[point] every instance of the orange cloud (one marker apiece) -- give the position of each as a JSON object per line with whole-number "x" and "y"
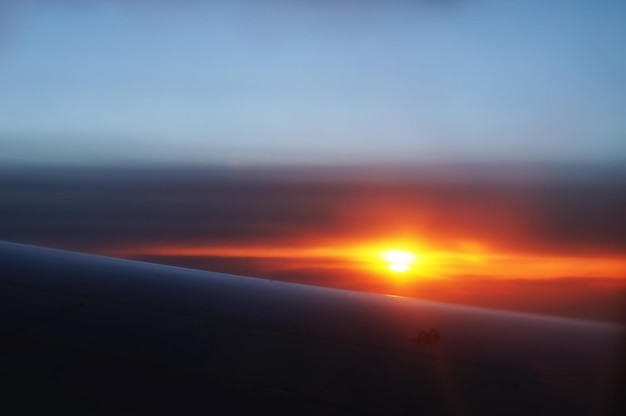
{"x": 467, "y": 260}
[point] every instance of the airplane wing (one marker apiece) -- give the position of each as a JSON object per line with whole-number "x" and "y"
{"x": 90, "y": 335}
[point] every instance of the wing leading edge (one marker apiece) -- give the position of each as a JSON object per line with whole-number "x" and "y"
{"x": 87, "y": 334}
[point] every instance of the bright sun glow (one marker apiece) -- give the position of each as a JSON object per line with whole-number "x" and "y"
{"x": 399, "y": 261}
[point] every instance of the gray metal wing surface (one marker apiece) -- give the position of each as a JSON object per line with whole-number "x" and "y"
{"x": 84, "y": 334}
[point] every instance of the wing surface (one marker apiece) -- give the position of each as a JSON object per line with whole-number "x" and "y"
{"x": 84, "y": 334}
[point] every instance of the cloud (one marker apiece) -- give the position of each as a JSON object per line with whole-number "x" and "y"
{"x": 94, "y": 210}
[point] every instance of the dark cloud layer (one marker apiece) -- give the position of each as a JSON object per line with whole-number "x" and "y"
{"x": 96, "y": 210}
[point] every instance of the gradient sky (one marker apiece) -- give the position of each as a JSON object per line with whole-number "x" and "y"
{"x": 273, "y": 82}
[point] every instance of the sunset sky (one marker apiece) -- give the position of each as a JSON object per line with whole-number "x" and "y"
{"x": 301, "y": 140}
{"x": 556, "y": 246}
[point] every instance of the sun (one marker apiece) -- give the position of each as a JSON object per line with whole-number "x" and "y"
{"x": 398, "y": 261}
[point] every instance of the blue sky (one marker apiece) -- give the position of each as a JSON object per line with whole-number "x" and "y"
{"x": 283, "y": 82}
